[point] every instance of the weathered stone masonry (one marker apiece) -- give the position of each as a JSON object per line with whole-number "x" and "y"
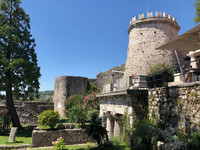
{"x": 178, "y": 106}
{"x": 28, "y": 111}
{"x": 42, "y": 138}
{"x": 66, "y": 86}
{"x": 145, "y": 35}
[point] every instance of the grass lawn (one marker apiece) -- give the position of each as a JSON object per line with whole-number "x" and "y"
{"x": 23, "y": 137}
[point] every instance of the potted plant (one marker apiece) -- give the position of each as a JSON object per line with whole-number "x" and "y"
{"x": 160, "y": 74}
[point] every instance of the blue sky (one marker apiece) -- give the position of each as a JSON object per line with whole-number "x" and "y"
{"x": 85, "y": 37}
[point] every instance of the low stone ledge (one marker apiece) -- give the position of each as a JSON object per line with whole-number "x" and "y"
{"x": 3, "y": 147}
{"x": 43, "y": 138}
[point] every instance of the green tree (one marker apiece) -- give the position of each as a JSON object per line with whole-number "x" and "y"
{"x": 197, "y": 7}
{"x": 19, "y": 72}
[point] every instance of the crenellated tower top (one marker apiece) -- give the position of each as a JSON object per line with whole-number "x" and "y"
{"x": 159, "y": 17}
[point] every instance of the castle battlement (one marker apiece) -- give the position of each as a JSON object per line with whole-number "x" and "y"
{"x": 150, "y": 15}
{"x": 159, "y": 17}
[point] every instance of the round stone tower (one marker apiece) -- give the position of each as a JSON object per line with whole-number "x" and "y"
{"x": 145, "y": 35}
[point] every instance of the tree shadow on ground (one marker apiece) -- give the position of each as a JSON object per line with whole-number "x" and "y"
{"x": 115, "y": 147}
{"x": 25, "y": 132}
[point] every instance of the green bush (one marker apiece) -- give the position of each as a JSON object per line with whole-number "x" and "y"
{"x": 5, "y": 122}
{"x": 77, "y": 115}
{"x": 117, "y": 141}
{"x": 194, "y": 141}
{"x": 91, "y": 88}
{"x": 49, "y": 118}
{"x": 127, "y": 128}
{"x": 96, "y": 131}
{"x": 79, "y": 108}
{"x": 145, "y": 135}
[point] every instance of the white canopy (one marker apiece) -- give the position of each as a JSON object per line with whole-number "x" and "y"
{"x": 189, "y": 41}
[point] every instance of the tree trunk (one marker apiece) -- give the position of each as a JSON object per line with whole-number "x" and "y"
{"x": 10, "y": 104}
{"x": 11, "y": 109}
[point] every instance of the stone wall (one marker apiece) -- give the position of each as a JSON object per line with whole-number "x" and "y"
{"x": 109, "y": 76}
{"x": 178, "y": 106}
{"x": 39, "y": 107}
{"x": 28, "y": 111}
{"x": 27, "y": 116}
{"x": 42, "y": 138}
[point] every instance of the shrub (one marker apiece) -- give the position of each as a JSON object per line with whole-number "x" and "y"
{"x": 79, "y": 108}
{"x": 174, "y": 138}
{"x": 5, "y": 122}
{"x": 77, "y": 115}
{"x": 49, "y": 118}
{"x": 91, "y": 88}
{"x": 159, "y": 69}
{"x": 127, "y": 128}
{"x": 59, "y": 143}
{"x": 117, "y": 141}
{"x": 161, "y": 74}
{"x": 96, "y": 131}
{"x": 194, "y": 141}
{"x": 73, "y": 100}
{"x": 145, "y": 135}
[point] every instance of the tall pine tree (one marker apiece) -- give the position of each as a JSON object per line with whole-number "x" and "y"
{"x": 19, "y": 72}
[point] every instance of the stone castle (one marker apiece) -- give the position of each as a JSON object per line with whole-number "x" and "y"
{"x": 145, "y": 34}
{"x": 126, "y": 93}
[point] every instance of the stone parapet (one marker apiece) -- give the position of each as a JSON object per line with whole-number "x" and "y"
{"x": 42, "y": 138}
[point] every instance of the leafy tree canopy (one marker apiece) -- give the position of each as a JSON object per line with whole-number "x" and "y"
{"x": 197, "y": 7}
{"x": 19, "y": 72}
{"x": 18, "y": 60}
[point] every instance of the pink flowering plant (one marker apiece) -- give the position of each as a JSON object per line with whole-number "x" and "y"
{"x": 78, "y": 108}
{"x": 59, "y": 143}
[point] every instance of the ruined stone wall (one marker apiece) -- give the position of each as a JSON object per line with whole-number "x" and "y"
{"x": 178, "y": 106}
{"x": 145, "y": 35}
{"x": 42, "y": 138}
{"x": 109, "y": 76}
{"x": 38, "y": 107}
{"x": 28, "y": 111}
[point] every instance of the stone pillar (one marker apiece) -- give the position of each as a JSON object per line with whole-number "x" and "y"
{"x": 193, "y": 62}
{"x": 104, "y": 119}
{"x": 117, "y": 129}
{"x": 109, "y": 126}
